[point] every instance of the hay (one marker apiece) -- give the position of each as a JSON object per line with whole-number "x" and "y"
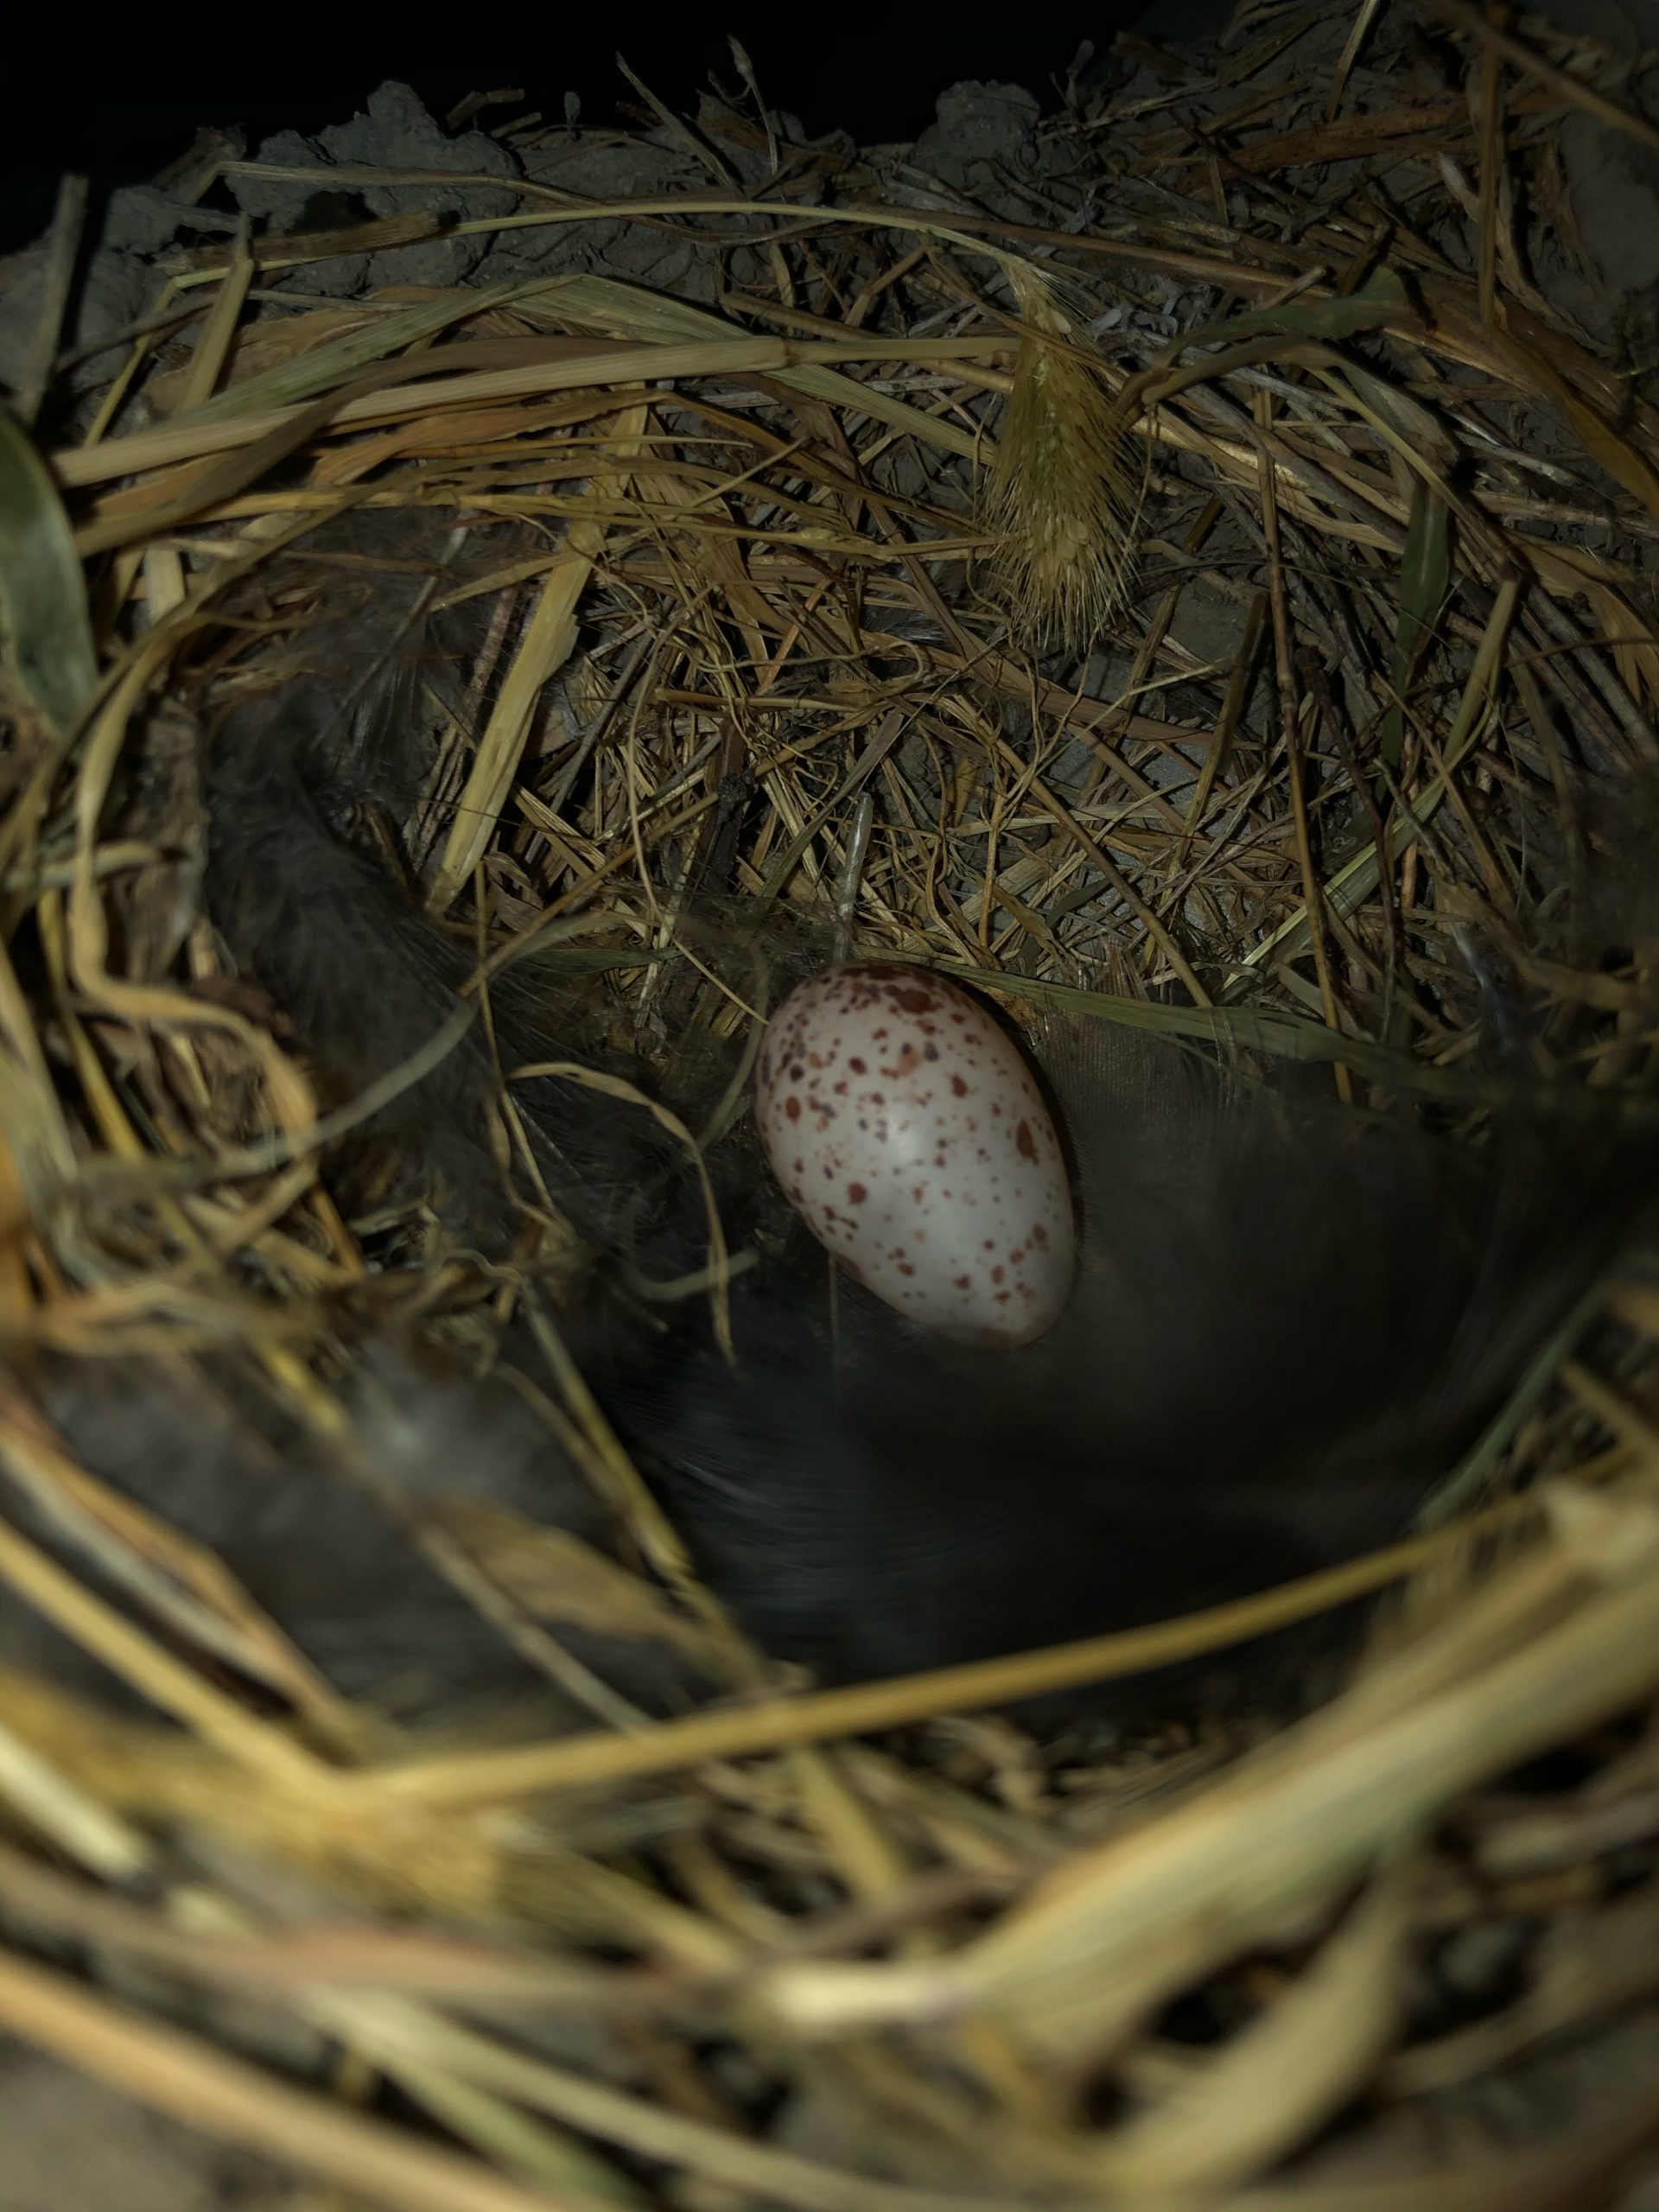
{"x": 1334, "y": 526}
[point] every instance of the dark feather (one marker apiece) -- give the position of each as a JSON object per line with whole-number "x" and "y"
{"x": 325, "y": 1535}
{"x": 1290, "y": 1319}
{"x": 1287, "y": 1325}
{"x": 312, "y": 911}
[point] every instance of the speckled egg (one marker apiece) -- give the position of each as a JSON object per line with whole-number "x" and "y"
{"x": 909, "y": 1135}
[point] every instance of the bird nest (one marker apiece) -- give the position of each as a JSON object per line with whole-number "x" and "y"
{"x": 1198, "y": 594}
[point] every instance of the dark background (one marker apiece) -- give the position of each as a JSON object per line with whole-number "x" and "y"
{"x": 119, "y": 115}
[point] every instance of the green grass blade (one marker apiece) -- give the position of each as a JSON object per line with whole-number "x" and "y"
{"x": 48, "y": 631}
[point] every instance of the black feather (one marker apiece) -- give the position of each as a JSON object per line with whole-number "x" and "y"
{"x": 325, "y": 1533}
{"x": 1290, "y": 1319}
{"x": 311, "y": 910}
{"x": 1287, "y": 1325}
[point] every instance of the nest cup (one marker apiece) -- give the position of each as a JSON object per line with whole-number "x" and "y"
{"x": 1289, "y": 703}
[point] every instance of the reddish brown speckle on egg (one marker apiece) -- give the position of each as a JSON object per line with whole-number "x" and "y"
{"x": 856, "y": 1194}
{"x": 793, "y": 1108}
{"x": 1026, "y": 1142}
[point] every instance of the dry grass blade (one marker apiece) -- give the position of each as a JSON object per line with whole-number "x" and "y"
{"x": 550, "y": 638}
{"x": 394, "y": 2032}
{"x": 196, "y": 2083}
{"x": 1470, "y": 21}
{"x": 77, "y": 1822}
{"x": 1285, "y": 2075}
{"x": 150, "y": 1668}
{"x": 1575, "y": 2173}
{"x": 273, "y": 431}
{"x": 1103, "y": 1943}
{"x": 490, "y": 1776}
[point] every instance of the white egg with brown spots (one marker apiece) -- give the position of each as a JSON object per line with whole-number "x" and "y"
{"x": 909, "y": 1136}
